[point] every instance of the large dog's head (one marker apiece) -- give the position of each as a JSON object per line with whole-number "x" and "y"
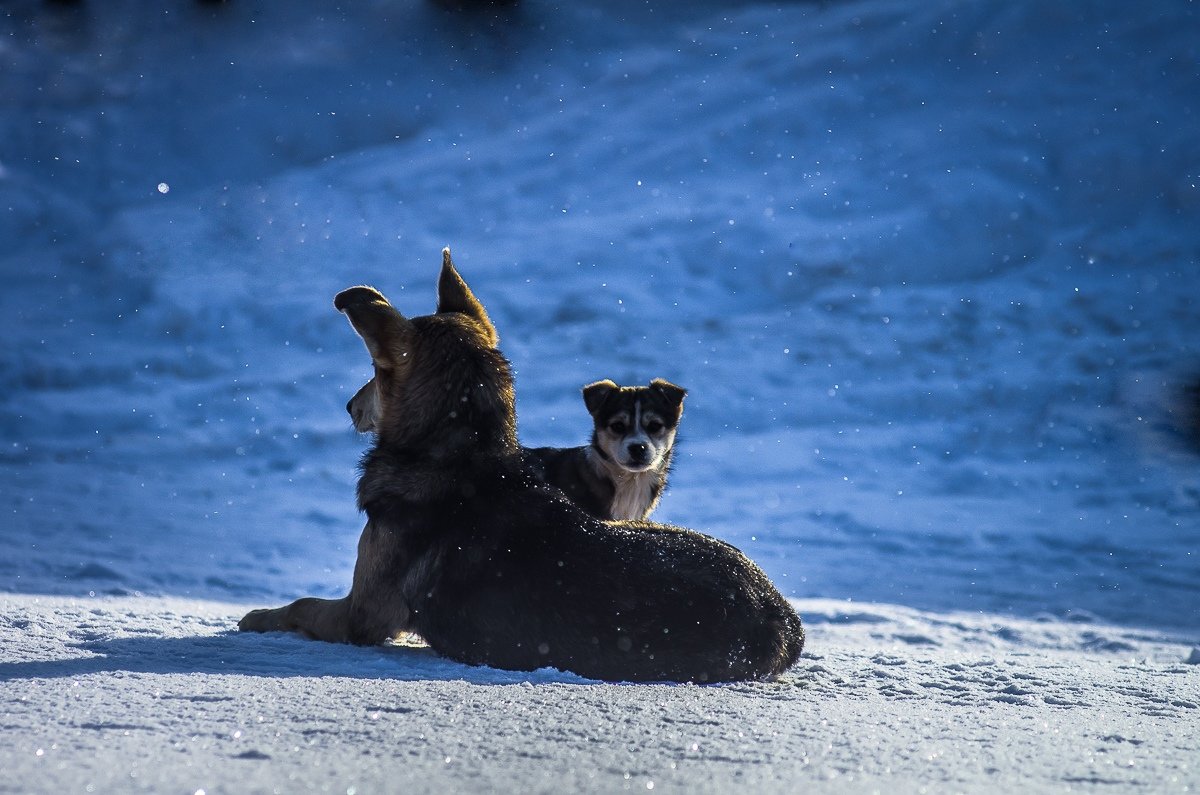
{"x": 635, "y": 425}
{"x": 440, "y": 383}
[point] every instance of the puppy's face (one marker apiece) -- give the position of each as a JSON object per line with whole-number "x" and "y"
{"x": 439, "y": 379}
{"x": 635, "y": 425}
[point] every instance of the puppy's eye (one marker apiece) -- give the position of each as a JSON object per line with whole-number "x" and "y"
{"x": 653, "y": 427}
{"x": 618, "y": 428}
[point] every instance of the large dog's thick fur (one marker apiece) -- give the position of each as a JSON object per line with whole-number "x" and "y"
{"x": 465, "y": 546}
{"x": 622, "y": 473}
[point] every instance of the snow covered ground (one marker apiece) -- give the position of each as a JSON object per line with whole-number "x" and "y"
{"x": 928, "y": 269}
{"x": 155, "y": 695}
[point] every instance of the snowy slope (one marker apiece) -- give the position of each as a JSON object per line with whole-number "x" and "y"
{"x": 929, "y": 271}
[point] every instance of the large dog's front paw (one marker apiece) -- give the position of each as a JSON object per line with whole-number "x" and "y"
{"x": 263, "y": 620}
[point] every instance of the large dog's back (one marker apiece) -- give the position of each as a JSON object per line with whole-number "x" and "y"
{"x": 518, "y": 577}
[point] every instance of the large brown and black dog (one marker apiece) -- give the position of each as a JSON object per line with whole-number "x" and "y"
{"x": 465, "y": 546}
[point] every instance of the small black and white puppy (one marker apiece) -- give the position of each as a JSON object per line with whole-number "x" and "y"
{"x": 622, "y": 473}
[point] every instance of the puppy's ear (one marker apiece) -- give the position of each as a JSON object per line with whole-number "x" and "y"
{"x": 595, "y": 394}
{"x": 385, "y": 331}
{"x": 455, "y": 296}
{"x": 669, "y": 392}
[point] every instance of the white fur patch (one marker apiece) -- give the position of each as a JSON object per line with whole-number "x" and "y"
{"x": 635, "y": 495}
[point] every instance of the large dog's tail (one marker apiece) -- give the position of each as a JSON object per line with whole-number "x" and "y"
{"x": 780, "y": 638}
{"x": 793, "y": 635}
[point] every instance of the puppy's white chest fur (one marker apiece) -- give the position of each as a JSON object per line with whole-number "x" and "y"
{"x": 635, "y": 493}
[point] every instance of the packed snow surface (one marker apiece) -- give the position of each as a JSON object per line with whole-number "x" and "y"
{"x": 155, "y": 694}
{"x": 929, "y": 271}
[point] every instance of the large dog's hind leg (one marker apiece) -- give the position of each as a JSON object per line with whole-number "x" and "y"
{"x": 373, "y": 611}
{"x": 346, "y": 620}
{"x": 319, "y": 619}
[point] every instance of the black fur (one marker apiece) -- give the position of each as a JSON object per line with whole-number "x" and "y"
{"x": 568, "y": 469}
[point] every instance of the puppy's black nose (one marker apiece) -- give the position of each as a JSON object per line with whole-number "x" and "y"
{"x": 350, "y": 407}
{"x": 638, "y": 451}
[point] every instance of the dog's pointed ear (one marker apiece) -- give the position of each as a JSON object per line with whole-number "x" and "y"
{"x": 385, "y": 331}
{"x": 595, "y": 394}
{"x": 672, "y": 394}
{"x": 455, "y": 296}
